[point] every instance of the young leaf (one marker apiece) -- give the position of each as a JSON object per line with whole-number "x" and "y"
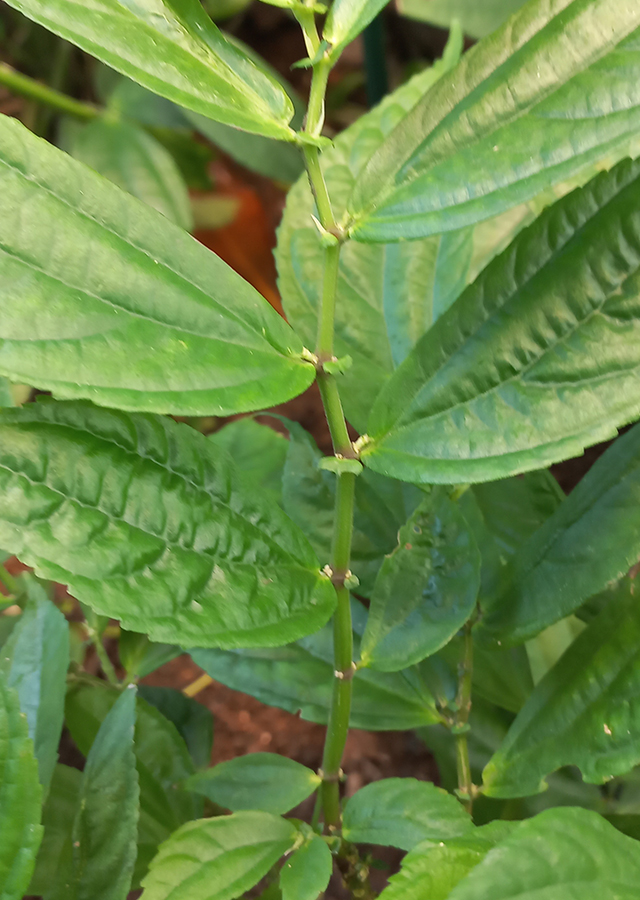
{"x": 506, "y": 381}
{"x": 542, "y": 97}
{"x": 54, "y": 862}
{"x": 140, "y": 656}
{"x": 402, "y": 812}
{"x": 193, "y": 721}
{"x": 306, "y": 873}
{"x": 257, "y": 450}
{"x": 264, "y": 781}
{"x": 584, "y": 712}
{"x": 104, "y": 298}
{"x": 172, "y": 48}
{"x": 147, "y": 522}
{"x": 425, "y": 590}
{"x": 477, "y": 19}
{"x": 346, "y": 19}
{"x": 217, "y": 859}
{"x": 35, "y": 660}
{"x": 20, "y": 798}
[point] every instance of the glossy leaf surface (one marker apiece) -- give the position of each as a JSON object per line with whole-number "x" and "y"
{"x": 148, "y": 523}
{"x": 507, "y": 380}
{"x": 477, "y": 19}
{"x": 542, "y": 97}
{"x": 306, "y": 873}
{"x": 172, "y": 48}
{"x": 104, "y": 298}
{"x": 257, "y": 450}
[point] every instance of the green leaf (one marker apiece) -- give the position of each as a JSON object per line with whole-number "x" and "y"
{"x": 53, "y": 865}
{"x": 140, "y": 656}
{"x": 172, "y": 48}
{"x": 136, "y": 162}
{"x": 35, "y": 661}
{"x": 425, "y": 590}
{"x": 506, "y": 381}
{"x": 193, "y": 721}
{"x": 263, "y": 781}
{"x": 147, "y": 522}
{"x": 105, "y": 827}
{"x": 20, "y": 798}
{"x": 478, "y": 19}
{"x": 402, "y": 812}
{"x": 257, "y": 450}
{"x": 582, "y": 713}
{"x": 306, "y": 873}
{"x": 218, "y": 859}
{"x": 592, "y": 539}
{"x": 346, "y": 19}
{"x": 559, "y": 854}
{"x": 522, "y": 111}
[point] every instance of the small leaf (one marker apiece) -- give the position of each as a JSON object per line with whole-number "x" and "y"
{"x": 218, "y": 859}
{"x": 263, "y": 781}
{"x": 257, "y": 450}
{"x": 54, "y": 862}
{"x": 193, "y": 721}
{"x": 306, "y": 873}
{"x": 20, "y": 798}
{"x": 346, "y": 19}
{"x": 140, "y": 656}
{"x": 402, "y": 812}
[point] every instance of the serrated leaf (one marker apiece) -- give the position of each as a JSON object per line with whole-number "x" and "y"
{"x": 20, "y": 798}
{"x": 218, "y": 859}
{"x": 257, "y": 450}
{"x": 106, "y": 824}
{"x": 306, "y": 873}
{"x": 53, "y": 865}
{"x": 402, "y": 812}
{"x": 172, "y": 48}
{"x": 147, "y": 522}
{"x": 263, "y": 781}
{"x": 193, "y": 721}
{"x": 346, "y": 19}
{"x": 506, "y": 381}
{"x": 121, "y": 298}
{"x": 425, "y": 590}
{"x": 477, "y": 19}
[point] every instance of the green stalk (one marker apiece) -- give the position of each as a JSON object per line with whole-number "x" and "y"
{"x": 461, "y": 727}
{"x": 29, "y": 87}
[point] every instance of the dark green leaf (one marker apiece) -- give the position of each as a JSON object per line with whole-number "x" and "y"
{"x": 477, "y": 19}
{"x": 193, "y": 721}
{"x": 104, "y": 298}
{"x": 52, "y": 874}
{"x": 140, "y": 656}
{"x": 20, "y": 798}
{"x": 148, "y": 522}
{"x": 402, "y": 812}
{"x": 306, "y": 873}
{"x": 346, "y": 19}
{"x": 544, "y": 96}
{"x": 257, "y": 450}
{"x": 172, "y": 48}
{"x": 263, "y": 781}
{"x": 218, "y": 859}
{"x": 507, "y": 381}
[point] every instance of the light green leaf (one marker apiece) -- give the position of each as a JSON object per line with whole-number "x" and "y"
{"x": 559, "y": 854}
{"x": 104, "y": 298}
{"x": 346, "y": 19}
{"x": 172, "y": 48}
{"x": 425, "y": 590}
{"x": 507, "y": 381}
{"x": 147, "y": 522}
{"x": 53, "y": 865}
{"x": 402, "y": 812}
{"x": 478, "y": 19}
{"x": 263, "y": 781}
{"x": 257, "y": 450}
{"x": 584, "y": 712}
{"x": 306, "y": 873}
{"x": 193, "y": 721}
{"x": 6, "y": 395}
{"x": 547, "y": 94}
{"x": 20, "y": 798}
{"x": 218, "y": 859}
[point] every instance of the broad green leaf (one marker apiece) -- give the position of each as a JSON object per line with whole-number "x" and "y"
{"x": 35, "y": 660}
{"x": 306, "y": 873}
{"x": 346, "y": 19}
{"x": 136, "y": 162}
{"x": 147, "y": 522}
{"x": 425, "y": 590}
{"x": 20, "y": 798}
{"x": 402, "y": 812}
{"x": 477, "y": 19}
{"x": 53, "y": 865}
{"x": 106, "y": 824}
{"x": 193, "y": 721}
{"x": 218, "y": 859}
{"x": 104, "y": 298}
{"x": 263, "y": 781}
{"x": 550, "y": 92}
{"x": 172, "y": 48}
{"x": 558, "y": 855}
{"x": 257, "y": 450}
{"x": 507, "y": 381}
{"x": 592, "y": 539}
{"x": 584, "y": 712}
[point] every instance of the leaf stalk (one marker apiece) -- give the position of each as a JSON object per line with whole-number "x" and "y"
{"x": 34, "y": 90}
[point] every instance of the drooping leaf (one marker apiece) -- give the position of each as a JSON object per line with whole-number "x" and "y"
{"x": 218, "y": 859}
{"x": 306, "y": 873}
{"x": 346, "y": 19}
{"x": 402, "y": 812}
{"x": 263, "y": 781}
{"x": 548, "y": 93}
{"x": 104, "y": 298}
{"x": 106, "y": 824}
{"x": 193, "y": 721}
{"x": 20, "y": 798}
{"x": 172, "y": 48}
{"x": 425, "y": 590}
{"x": 147, "y": 522}
{"x": 35, "y": 660}
{"x": 478, "y": 19}
{"x": 52, "y": 874}
{"x": 257, "y": 450}
{"x": 507, "y": 380}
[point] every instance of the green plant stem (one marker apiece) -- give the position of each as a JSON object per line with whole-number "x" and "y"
{"x": 29, "y": 87}
{"x": 461, "y": 728}
{"x": 10, "y": 582}
{"x": 96, "y": 640}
